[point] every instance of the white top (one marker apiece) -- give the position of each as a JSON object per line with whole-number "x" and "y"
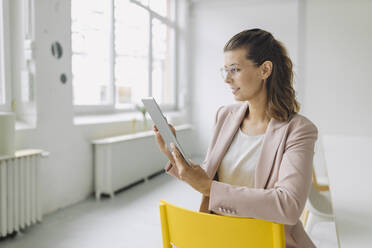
{"x": 238, "y": 166}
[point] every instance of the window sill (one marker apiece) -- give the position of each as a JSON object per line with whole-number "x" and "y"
{"x": 21, "y": 125}
{"x": 82, "y": 120}
{"x": 133, "y": 136}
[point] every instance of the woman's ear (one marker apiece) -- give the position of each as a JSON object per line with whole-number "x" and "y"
{"x": 266, "y": 69}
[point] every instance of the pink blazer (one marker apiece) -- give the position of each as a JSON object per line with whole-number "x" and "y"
{"x": 283, "y": 174}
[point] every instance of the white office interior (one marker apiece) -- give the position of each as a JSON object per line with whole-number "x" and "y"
{"x": 76, "y": 138}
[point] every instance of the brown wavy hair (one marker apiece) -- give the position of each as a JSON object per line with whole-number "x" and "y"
{"x": 261, "y": 46}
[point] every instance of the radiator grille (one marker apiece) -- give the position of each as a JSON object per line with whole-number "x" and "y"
{"x": 19, "y": 191}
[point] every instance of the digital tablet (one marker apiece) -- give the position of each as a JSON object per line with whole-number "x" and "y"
{"x": 161, "y": 123}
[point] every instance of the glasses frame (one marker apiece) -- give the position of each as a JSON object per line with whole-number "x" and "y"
{"x": 231, "y": 70}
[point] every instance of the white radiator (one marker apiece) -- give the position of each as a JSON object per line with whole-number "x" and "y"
{"x": 19, "y": 191}
{"x": 124, "y": 160}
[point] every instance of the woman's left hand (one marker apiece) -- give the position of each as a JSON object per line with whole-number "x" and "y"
{"x": 195, "y": 176}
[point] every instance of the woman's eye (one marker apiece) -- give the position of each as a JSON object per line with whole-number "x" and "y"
{"x": 233, "y": 70}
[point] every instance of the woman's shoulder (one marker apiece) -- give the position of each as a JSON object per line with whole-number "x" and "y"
{"x": 223, "y": 111}
{"x": 230, "y": 107}
{"x": 298, "y": 121}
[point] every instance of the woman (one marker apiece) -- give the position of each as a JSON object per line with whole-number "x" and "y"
{"x": 259, "y": 162}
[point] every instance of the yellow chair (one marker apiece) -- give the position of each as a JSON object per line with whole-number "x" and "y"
{"x": 183, "y": 228}
{"x": 319, "y": 204}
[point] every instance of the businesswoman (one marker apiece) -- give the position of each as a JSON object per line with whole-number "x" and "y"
{"x": 259, "y": 162}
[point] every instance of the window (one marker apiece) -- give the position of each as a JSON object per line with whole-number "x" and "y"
{"x": 4, "y": 57}
{"x": 123, "y": 50}
{"x": 17, "y": 62}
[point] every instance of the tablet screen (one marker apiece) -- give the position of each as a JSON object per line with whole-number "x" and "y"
{"x": 161, "y": 123}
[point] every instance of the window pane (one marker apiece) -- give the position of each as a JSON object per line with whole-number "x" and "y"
{"x": 143, "y": 2}
{"x": 162, "y": 65}
{"x": 90, "y": 51}
{"x": 162, "y": 7}
{"x": 132, "y": 52}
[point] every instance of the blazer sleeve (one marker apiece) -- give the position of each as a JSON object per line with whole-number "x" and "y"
{"x": 284, "y": 202}
{"x": 172, "y": 170}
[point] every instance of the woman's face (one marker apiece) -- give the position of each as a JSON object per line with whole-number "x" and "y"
{"x": 245, "y": 79}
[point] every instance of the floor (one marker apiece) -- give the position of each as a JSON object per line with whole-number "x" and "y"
{"x": 130, "y": 219}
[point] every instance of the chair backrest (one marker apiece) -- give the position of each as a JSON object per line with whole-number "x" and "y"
{"x": 184, "y": 228}
{"x": 318, "y": 203}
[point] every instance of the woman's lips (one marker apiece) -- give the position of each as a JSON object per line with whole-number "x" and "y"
{"x": 234, "y": 90}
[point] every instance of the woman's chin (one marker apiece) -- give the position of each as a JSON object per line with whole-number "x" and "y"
{"x": 238, "y": 98}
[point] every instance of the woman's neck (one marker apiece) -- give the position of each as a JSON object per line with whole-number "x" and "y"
{"x": 257, "y": 111}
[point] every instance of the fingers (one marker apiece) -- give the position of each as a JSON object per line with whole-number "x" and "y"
{"x": 157, "y": 134}
{"x": 175, "y": 152}
{"x": 180, "y": 162}
{"x": 179, "y": 158}
{"x": 173, "y": 129}
{"x": 159, "y": 140}
{"x": 193, "y": 164}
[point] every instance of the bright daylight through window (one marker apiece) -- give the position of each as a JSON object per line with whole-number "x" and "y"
{"x": 123, "y": 50}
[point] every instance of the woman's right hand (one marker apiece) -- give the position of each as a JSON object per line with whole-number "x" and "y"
{"x": 161, "y": 143}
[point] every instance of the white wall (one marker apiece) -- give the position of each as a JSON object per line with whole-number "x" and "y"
{"x": 338, "y": 58}
{"x": 67, "y": 175}
{"x": 212, "y": 24}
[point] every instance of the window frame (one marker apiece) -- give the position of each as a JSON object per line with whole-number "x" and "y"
{"x": 5, "y": 59}
{"x": 111, "y": 108}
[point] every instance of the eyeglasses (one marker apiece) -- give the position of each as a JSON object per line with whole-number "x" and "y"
{"x": 232, "y": 71}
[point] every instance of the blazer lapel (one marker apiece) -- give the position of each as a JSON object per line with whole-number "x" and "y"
{"x": 269, "y": 149}
{"x": 226, "y": 135}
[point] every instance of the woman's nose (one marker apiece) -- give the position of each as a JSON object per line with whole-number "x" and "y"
{"x": 227, "y": 79}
